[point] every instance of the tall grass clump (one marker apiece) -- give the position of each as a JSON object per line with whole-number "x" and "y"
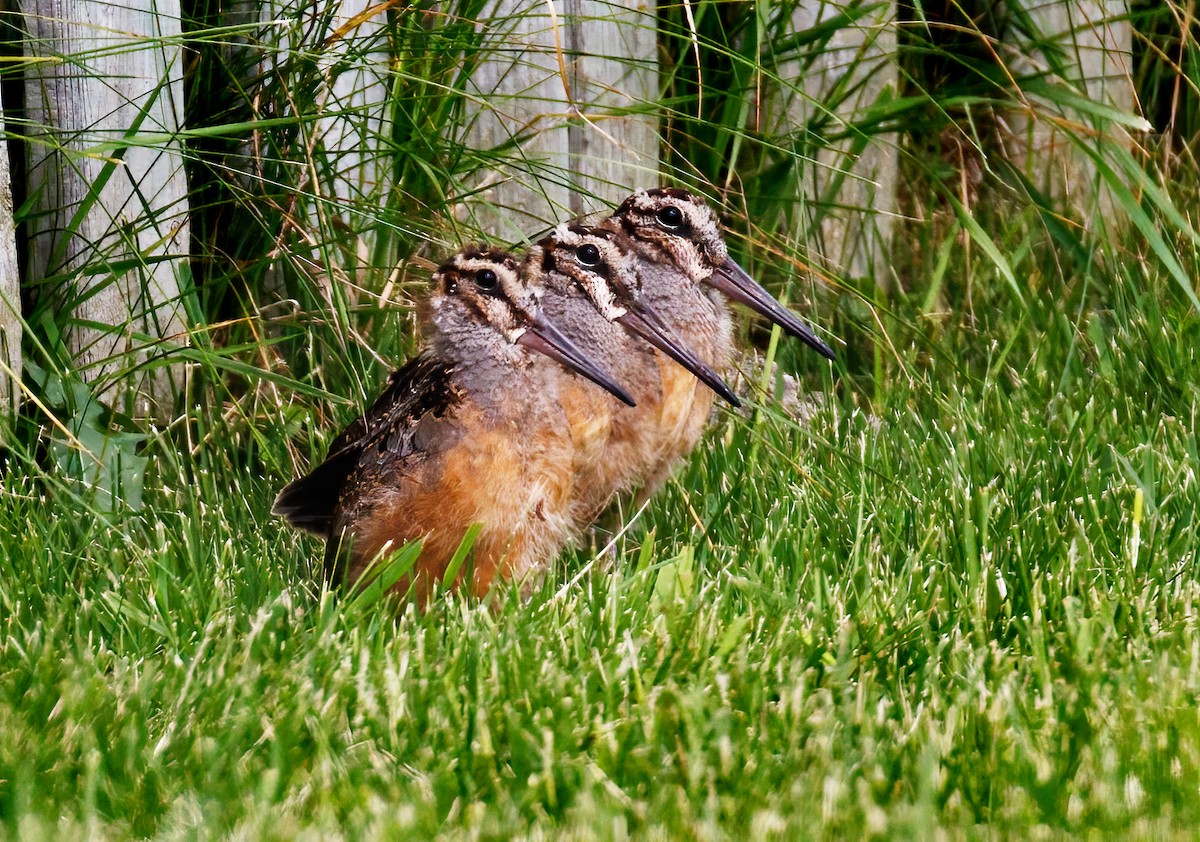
{"x": 947, "y": 583}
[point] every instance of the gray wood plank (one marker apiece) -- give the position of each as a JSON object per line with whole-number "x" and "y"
{"x": 120, "y": 211}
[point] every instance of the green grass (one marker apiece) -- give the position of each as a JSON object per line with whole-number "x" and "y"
{"x": 974, "y": 602}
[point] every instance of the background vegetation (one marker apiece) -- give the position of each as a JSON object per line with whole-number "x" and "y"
{"x": 962, "y": 591}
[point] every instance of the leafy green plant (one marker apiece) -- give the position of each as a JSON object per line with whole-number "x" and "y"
{"x": 97, "y": 449}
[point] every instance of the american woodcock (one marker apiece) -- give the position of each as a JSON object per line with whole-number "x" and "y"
{"x": 685, "y": 272}
{"x": 469, "y": 431}
{"x": 592, "y": 290}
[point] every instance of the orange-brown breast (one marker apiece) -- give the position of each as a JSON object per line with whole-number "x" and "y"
{"x": 687, "y": 403}
{"x": 686, "y": 406}
{"x": 615, "y": 443}
{"x": 515, "y": 481}
{"x": 589, "y": 414}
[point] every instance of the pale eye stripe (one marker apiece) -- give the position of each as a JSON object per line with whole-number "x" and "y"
{"x": 602, "y": 296}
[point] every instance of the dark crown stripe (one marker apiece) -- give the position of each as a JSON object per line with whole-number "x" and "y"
{"x": 674, "y": 193}
{"x": 479, "y": 251}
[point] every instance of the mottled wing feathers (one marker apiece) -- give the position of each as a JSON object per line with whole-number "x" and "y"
{"x": 423, "y": 387}
{"x": 385, "y": 431}
{"x": 308, "y": 503}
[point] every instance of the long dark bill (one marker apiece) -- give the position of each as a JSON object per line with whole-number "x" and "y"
{"x": 735, "y": 282}
{"x": 545, "y": 338}
{"x": 644, "y": 323}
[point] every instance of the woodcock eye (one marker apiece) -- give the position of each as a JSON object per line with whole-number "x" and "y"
{"x": 670, "y": 217}
{"x": 588, "y": 254}
{"x": 486, "y": 279}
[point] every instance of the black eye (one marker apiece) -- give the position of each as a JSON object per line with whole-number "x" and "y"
{"x": 670, "y": 217}
{"x": 486, "y": 279}
{"x": 588, "y": 255}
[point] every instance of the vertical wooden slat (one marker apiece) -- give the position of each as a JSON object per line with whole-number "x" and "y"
{"x": 102, "y": 72}
{"x": 353, "y": 114}
{"x": 1095, "y": 38}
{"x": 850, "y": 188}
{"x": 344, "y": 175}
{"x": 572, "y": 82}
{"x": 10, "y": 293}
{"x": 521, "y": 95}
{"x": 616, "y": 149}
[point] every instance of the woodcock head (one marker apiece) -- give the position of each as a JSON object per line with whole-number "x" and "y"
{"x": 482, "y": 307}
{"x": 674, "y": 224}
{"x": 602, "y": 262}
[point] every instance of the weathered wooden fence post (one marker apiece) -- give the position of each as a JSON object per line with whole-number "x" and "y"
{"x": 1095, "y": 42}
{"x": 574, "y": 84}
{"x": 10, "y": 293}
{"x": 353, "y": 119}
{"x": 105, "y": 91}
{"x": 344, "y": 174}
{"x": 850, "y": 185}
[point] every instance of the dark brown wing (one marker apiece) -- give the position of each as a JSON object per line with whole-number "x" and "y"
{"x": 421, "y": 387}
